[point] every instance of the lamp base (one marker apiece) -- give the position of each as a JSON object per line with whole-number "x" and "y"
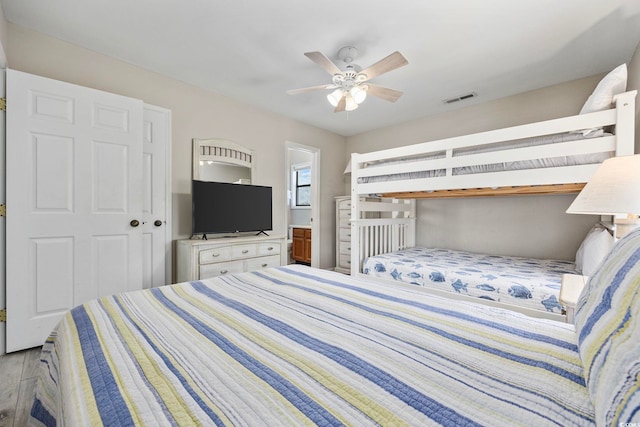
{"x": 625, "y": 226}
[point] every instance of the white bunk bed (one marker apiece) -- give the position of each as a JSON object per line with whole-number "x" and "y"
{"x": 552, "y": 157}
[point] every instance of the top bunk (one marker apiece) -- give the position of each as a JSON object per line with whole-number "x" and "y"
{"x": 549, "y": 157}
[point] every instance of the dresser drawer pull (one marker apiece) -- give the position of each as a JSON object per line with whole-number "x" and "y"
{"x": 270, "y": 248}
{"x": 224, "y": 271}
{"x": 215, "y": 255}
{"x": 246, "y": 251}
{"x": 264, "y": 265}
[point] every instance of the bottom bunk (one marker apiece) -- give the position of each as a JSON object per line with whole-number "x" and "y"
{"x": 526, "y": 282}
{"x": 385, "y": 249}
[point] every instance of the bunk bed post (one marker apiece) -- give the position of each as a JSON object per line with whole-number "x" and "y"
{"x": 410, "y": 234}
{"x": 625, "y": 104}
{"x": 355, "y": 215}
{"x": 625, "y": 122}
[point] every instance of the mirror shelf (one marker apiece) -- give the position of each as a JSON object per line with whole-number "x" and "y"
{"x": 222, "y": 160}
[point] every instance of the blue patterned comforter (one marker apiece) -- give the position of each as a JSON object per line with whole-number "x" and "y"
{"x": 525, "y": 282}
{"x": 300, "y": 346}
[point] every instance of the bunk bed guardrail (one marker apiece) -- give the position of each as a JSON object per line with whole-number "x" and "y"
{"x": 392, "y": 230}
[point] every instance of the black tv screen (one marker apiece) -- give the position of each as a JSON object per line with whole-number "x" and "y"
{"x": 220, "y": 207}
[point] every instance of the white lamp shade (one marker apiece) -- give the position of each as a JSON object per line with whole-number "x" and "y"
{"x": 351, "y": 104}
{"x": 358, "y": 94}
{"x": 335, "y": 96}
{"x": 613, "y": 189}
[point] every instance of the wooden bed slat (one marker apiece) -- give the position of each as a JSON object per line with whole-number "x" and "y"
{"x": 487, "y": 192}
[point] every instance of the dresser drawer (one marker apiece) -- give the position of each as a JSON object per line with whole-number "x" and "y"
{"x": 344, "y": 214}
{"x": 345, "y": 248}
{"x": 262, "y": 262}
{"x": 221, "y": 268}
{"x": 344, "y": 235}
{"x": 244, "y": 251}
{"x": 222, "y": 253}
{"x": 345, "y": 261}
{"x": 345, "y": 204}
{"x": 268, "y": 249}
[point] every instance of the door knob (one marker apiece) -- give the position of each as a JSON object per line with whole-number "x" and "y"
{"x": 157, "y": 223}
{"x": 134, "y": 223}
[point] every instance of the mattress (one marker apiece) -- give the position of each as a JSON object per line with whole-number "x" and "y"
{"x": 300, "y": 346}
{"x": 583, "y": 159}
{"x": 525, "y": 282}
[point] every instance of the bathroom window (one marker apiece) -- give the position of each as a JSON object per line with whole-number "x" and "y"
{"x": 301, "y": 183}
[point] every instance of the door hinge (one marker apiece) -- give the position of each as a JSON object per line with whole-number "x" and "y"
{"x": 3, "y": 315}
{"x": 3, "y": 209}
{"x": 3, "y": 104}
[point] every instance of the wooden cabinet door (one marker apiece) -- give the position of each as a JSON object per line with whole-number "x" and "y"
{"x": 301, "y": 245}
{"x": 307, "y": 246}
{"x": 297, "y": 250}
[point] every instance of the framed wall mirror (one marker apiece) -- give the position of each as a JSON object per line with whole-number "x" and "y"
{"x": 221, "y": 160}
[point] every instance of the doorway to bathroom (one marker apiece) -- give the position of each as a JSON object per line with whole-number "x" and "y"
{"x": 302, "y": 168}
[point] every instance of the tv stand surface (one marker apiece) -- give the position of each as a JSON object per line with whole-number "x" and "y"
{"x": 198, "y": 259}
{"x": 226, "y": 235}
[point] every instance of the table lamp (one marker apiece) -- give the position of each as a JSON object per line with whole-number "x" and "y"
{"x": 613, "y": 190}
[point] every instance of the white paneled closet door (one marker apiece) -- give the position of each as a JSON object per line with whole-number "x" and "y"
{"x": 156, "y": 193}
{"x": 75, "y": 201}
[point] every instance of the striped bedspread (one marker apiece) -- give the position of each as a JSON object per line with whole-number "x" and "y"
{"x": 300, "y": 346}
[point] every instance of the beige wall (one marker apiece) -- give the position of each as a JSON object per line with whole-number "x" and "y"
{"x": 533, "y": 226}
{"x": 196, "y": 114}
{"x": 3, "y": 39}
{"x": 634, "y": 84}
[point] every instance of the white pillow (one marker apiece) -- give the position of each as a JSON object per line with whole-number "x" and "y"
{"x": 602, "y": 97}
{"x": 594, "y": 248}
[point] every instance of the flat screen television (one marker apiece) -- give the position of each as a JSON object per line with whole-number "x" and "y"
{"x": 220, "y": 207}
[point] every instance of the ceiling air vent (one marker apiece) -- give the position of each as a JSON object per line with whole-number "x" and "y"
{"x": 460, "y": 98}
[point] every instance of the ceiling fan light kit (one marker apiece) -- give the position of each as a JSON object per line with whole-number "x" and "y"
{"x": 349, "y": 88}
{"x": 354, "y": 97}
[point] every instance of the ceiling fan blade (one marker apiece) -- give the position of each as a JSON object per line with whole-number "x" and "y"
{"x": 308, "y": 89}
{"x": 322, "y": 60}
{"x": 385, "y": 93}
{"x": 341, "y": 104}
{"x": 391, "y": 62}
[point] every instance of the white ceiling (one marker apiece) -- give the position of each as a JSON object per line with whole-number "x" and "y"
{"x": 252, "y": 50}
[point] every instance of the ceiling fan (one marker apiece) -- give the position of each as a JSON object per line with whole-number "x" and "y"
{"x": 352, "y": 86}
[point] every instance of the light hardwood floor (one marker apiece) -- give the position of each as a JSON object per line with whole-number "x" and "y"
{"x": 18, "y": 372}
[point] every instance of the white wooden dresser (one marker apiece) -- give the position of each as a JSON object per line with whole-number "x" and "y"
{"x": 343, "y": 232}
{"x": 199, "y": 259}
